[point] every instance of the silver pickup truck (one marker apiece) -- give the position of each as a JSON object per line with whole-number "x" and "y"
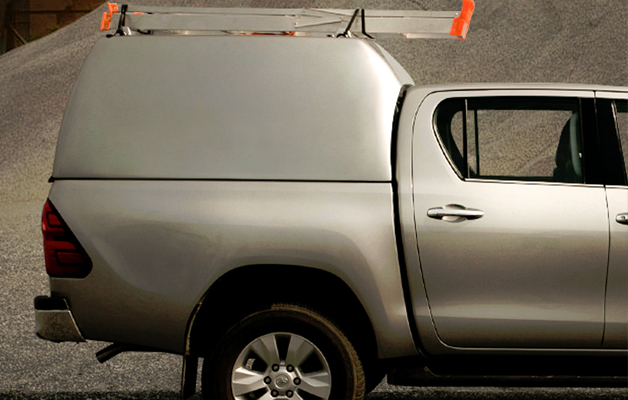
{"x": 293, "y": 210}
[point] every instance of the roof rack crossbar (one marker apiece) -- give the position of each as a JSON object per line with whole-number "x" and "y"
{"x": 298, "y": 22}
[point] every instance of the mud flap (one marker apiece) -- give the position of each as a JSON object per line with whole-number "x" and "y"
{"x": 188, "y": 376}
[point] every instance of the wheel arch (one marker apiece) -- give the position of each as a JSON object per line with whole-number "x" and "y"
{"x": 247, "y": 288}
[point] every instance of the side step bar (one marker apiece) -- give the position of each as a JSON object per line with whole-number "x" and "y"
{"x": 425, "y": 377}
{"x": 514, "y": 371}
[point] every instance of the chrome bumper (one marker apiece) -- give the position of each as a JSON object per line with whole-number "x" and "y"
{"x": 54, "y": 320}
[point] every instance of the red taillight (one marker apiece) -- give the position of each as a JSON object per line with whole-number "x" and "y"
{"x": 65, "y": 257}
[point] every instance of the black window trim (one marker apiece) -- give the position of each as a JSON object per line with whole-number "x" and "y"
{"x": 610, "y": 143}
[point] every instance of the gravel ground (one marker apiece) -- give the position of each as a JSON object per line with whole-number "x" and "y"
{"x": 556, "y": 40}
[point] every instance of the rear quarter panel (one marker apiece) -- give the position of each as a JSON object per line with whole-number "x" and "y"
{"x": 157, "y": 246}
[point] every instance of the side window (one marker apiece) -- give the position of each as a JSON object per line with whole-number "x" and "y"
{"x": 513, "y": 138}
{"x": 621, "y": 116}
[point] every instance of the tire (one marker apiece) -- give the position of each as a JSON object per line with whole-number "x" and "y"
{"x": 284, "y": 352}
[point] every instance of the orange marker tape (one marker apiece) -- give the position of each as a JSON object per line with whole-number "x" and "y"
{"x": 461, "y": 22}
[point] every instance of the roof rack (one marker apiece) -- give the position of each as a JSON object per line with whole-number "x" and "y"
{"x": 295, "y": 22}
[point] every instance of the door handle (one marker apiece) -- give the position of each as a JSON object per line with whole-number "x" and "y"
{"x": 622, "y": 218}
{"x": 454, "y": 213}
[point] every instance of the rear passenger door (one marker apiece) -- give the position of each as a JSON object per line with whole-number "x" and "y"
{"x": 613, "y": 117}
{"x": 511, "y": 218}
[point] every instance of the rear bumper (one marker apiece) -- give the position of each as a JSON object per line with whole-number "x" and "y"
{"x": 54, "y": 320}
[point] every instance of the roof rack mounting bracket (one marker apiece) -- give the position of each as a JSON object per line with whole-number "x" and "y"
{"x": 121, "y": 21}
{"x": 347, "y": 31}
{"x": 363, "y": 20}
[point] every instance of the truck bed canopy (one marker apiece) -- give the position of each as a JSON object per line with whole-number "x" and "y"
{"x": 231, "y": 107}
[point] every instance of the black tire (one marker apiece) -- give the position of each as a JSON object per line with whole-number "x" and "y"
{"x": 332, "y": 360}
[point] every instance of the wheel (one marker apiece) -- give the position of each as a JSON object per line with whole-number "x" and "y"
{"x": 283, "y": 352}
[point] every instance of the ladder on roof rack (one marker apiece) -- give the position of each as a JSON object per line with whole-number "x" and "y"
{"x": 295, "y": 22}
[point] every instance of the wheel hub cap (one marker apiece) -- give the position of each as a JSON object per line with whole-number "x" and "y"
{"x": 282, "y": 381}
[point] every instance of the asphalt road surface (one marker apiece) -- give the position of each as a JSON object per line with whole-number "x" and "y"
{"x": 545, "y": 40}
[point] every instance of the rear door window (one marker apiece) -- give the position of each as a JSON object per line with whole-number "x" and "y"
{"x": 513, "y": 138}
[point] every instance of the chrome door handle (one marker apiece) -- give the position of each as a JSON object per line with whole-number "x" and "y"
{"x": 454, "y": 213}
{"x": 622, "y": 218}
